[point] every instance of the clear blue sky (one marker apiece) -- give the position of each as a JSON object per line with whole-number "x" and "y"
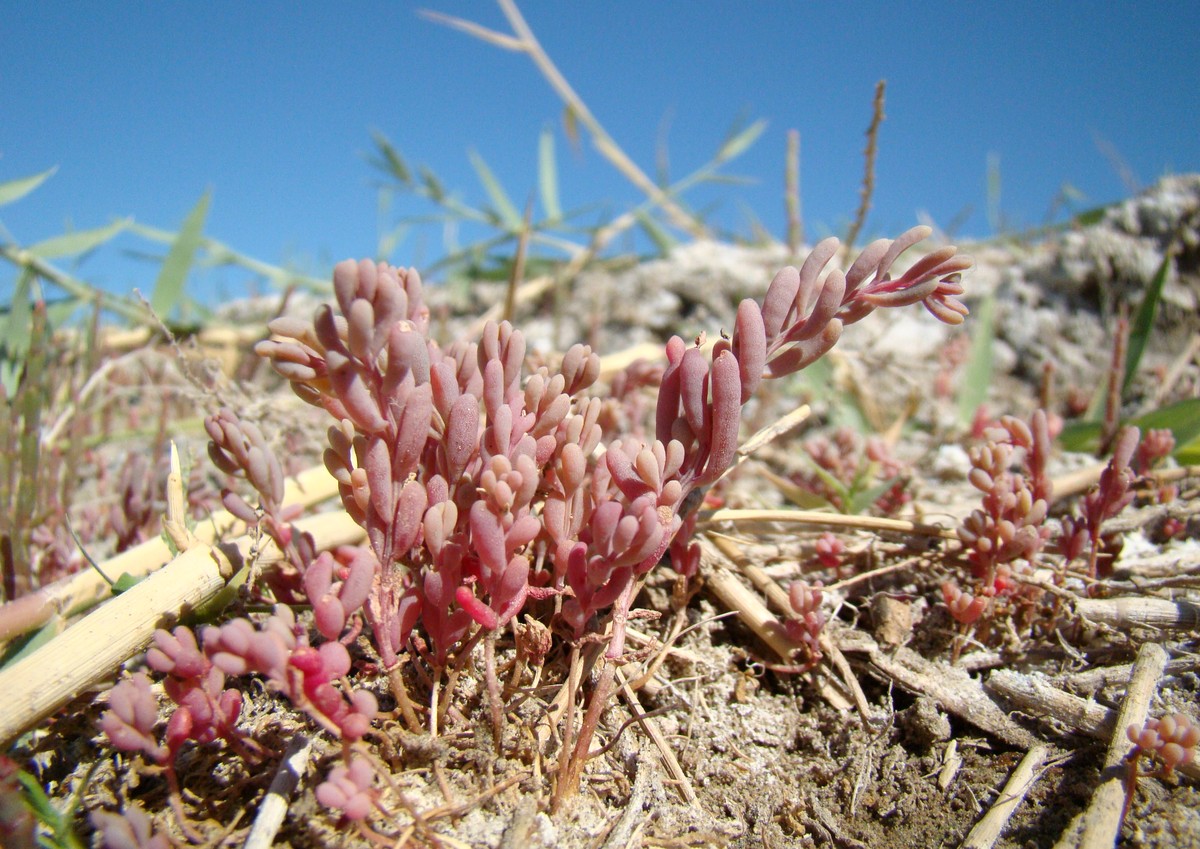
{"x": 143, "y": 106}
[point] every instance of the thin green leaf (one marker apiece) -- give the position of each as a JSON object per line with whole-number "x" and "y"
{"x": 864, "y": 499}
{"x": 803, "y": 498}
{"x": 1143, "y": 322}
{"x": 17, "y": 189}
{"x": 39, "y": 803}
{"x": 662, "y": 240}
{"x": 126, "y": 582}
{"x": 977, "y": 376}
{"x": 548, "y": 175}
{"x": 17, "y": 337}
{"x": 392, "y": 161}
{"x": 433, "y": 186}
{"x": 1082, "y": 436}
{"x": 571, "y": 127}
{"x": 737, "y": 143}
{"x": 81, "y": 241}
{"x": 503, "y": 207}
{"x": 1181, "y": 418}
{"x": 1090, "y": 217}
{"x": 168, "y": 288}
{"x": 729, "y": 180}
{"x": 26, "y": 645}
{"x": 60, "y": 311}
{"x": 835, "y": 486}
{"x": 1189, "y": 455}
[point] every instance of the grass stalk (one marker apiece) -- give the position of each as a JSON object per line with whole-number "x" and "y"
{"x": 791, "y": 179}
{"x": 868, "y": 185}
{"x": 524, "y": 41}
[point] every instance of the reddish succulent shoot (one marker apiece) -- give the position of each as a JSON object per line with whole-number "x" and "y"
{"x": 1170, "y": 740}
{"x": 1084, "y": 534}
{"x": 349, "y": 790}
{"x": 964, "y": 607}
{"x": 809, "y": 620}
{"x": 132, "y": 829}
{"x": 131, "y": 716}
{"x": 279, "y": 651}
{"x": 1010, "y": 524}
{"x": 830, "y": 550}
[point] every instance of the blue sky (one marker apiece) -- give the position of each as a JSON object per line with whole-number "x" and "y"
{"x": 143, "y": 106}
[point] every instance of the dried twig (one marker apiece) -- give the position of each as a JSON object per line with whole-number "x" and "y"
{"x": 274, "y": 806}
{"x": 951, "y": 688}
{"x": 987, "y": 831}
{"x": 1140, "y": 612}
{"x": 1098, "y": 826}
{"x": 661, "y": 743}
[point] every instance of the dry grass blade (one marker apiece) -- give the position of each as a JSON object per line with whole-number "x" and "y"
{"x": 84, "y": 589}
{"x": 491, "y": 36}
{"x": 655, "y": 734}
{"x": 722, "y": 583}
{"x": 773, "y": 431}
{"x": 526, "y": 42}
{"x": 275, "y": 804}
{"x": 822, "y": 519}
{"x": 518, "y": 266}
{"x": 42, "y": 682}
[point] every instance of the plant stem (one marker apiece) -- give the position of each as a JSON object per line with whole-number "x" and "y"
{"x": 791, "y": 179}
{"x": 568, "y": 783}
{"x": 600, "y": 137}
{"x": 400, "y": 692}
{"x": 868, "y": 186}
{"x": 495, "y": 702}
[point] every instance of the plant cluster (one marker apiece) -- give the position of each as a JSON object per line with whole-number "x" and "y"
{"x": 854, "y": 474}
{"x": 487, "y": 491}
{"x": 1005, "y": 539}
{"x": 1167, "y": 742}
{"x": 1170, "y": 740}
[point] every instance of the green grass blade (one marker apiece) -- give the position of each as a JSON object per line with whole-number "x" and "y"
{"x": 736, "y": 143}
{"x": 548, "y": 175}
{"x": 433, "y": 186}
{"x": 1143, "y": 322}
{"x": 977, "y": 376}
{"x": 391, "y": 162}
{"x": 17, "y": 189}
{"x": 27, "y": 644}
{"x": 1082, "y": 436}
{"x": 168, "y": 288}
{"x": 1189, "y": 455}
{"x": 81, "y": 241}
{"x": 17, "y": 325}
{"x": 39, "y": 803}
{"x": 662, "y": 240}
{"x": 1182, "y": 419}
{"x": 503, "y": 207}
